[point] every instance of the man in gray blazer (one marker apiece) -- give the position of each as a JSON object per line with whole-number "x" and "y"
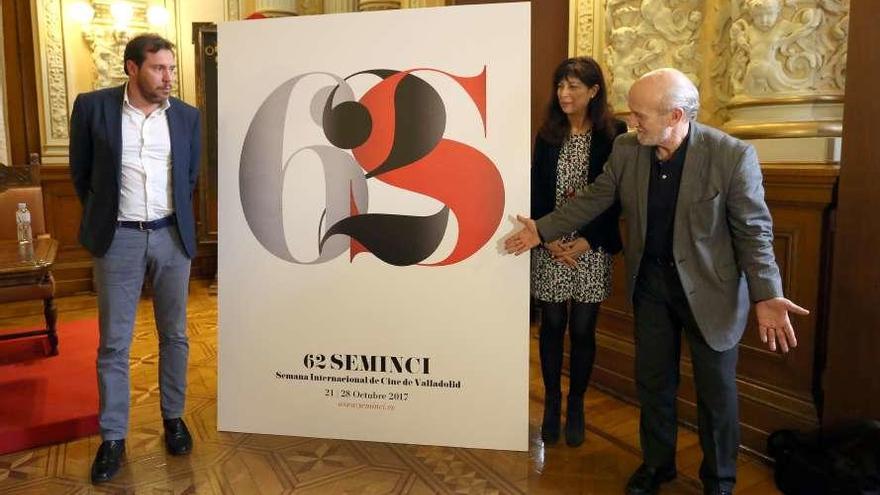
{"x": 698, "y": 253}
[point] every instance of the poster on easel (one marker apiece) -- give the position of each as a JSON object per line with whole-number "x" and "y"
{"x": 370, "y": 166}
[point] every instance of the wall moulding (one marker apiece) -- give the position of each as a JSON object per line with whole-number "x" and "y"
{"x": 776, "y": 130}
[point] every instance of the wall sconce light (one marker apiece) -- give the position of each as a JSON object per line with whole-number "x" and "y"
{"x": 81, "y": 12}
{"x": 122, "y": 13}
{"x": 158, "y": 16}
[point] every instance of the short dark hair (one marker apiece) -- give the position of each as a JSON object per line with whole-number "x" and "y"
{"x": 136, "y": 49}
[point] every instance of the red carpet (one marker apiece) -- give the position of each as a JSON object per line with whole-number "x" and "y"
{"x": 46, "y": 400}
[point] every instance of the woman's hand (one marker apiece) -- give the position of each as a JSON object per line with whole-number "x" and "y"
{"x": 571, "y": 251}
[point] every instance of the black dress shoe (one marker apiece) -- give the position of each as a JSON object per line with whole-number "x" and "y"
{"x": 646, "y": 480}
{"x": 177, "y": 437}
{"x": 108, "y": 460}
{"x": 550, "y": 425}
{"x": 574, "y": 422}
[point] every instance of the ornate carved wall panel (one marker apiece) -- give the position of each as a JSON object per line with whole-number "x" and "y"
{"x": 770, "y": 68}
{"x": 643, "y": 35}
{"x": 54, "y": 81}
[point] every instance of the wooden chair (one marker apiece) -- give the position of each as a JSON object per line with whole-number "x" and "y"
{"x": 26, "y": 270}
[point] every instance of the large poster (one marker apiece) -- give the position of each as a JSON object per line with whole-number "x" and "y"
{"x": 370, "y": 165}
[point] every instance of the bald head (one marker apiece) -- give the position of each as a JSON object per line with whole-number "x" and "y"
{"x": 668, "y": 89}
{"x": 662, "y": 103}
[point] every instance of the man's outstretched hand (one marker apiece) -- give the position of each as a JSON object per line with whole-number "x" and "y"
{"x": 773, "y": 323}
{"x": 525, "y": 239}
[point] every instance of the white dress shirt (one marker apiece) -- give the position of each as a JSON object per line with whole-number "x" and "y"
{"x": 145, "y": 177}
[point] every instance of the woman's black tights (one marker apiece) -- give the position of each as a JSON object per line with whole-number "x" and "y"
{"x": 582, "y": 333}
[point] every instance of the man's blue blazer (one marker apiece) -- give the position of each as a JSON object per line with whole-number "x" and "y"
{"x": 96, "y": 158}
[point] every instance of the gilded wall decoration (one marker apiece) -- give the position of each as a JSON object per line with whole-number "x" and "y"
{"x": 106, "y": 41}
{"x": 789, "y": 48}
{"x": 55, "y": 72}
{"x": 756, "y": 62}
{"x": 107, "y": 47}
{"x": 771, "y": 52}
{"x": 643, "y": 35}
{"x": 582, "y": 19}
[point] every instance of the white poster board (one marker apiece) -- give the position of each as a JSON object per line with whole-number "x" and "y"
{"x": 370, "y": 165}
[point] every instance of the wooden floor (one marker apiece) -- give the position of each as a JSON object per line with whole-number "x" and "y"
{"x": 234, "y": 463}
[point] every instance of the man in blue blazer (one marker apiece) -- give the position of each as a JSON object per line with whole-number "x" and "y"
{"x": 699, "y": 254}
{"x": 134, "y": 159}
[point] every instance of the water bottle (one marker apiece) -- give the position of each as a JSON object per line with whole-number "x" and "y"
{"x": 23, "y": 222}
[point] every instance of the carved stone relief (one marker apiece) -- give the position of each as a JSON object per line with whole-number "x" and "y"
{"x": 107, "y": 42}
{"x": 583, "y": 13}
{"x": 788, "y": 67}
{"x": 107, "y": 46}
{"x": 774, "y": 53}
{"x": 56, "y": 78}
{"x": 643, "y": 35}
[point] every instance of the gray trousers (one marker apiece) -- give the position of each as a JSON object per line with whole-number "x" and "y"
{"x": 119, "y": 276}
{"x": 662, "y": 314}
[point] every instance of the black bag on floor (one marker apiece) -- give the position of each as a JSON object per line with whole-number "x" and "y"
{"x": 843, "y": 460}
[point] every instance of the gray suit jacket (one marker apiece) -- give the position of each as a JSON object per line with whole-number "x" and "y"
{"x": 723, "y": 233}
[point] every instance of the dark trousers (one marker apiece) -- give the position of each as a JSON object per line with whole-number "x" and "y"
{"x": 582, "y": 333}
{"x": 662, "y": 314}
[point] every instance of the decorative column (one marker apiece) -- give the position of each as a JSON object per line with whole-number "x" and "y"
{"x": 340, "y": 6}
{"x": 787, "y": 74}
{"x": 367, "y": 5}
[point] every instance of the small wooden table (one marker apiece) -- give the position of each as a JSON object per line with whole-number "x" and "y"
{"x": 25, "y": 273}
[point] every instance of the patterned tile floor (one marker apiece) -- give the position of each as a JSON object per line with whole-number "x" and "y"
{"x": 235, "y": 463}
